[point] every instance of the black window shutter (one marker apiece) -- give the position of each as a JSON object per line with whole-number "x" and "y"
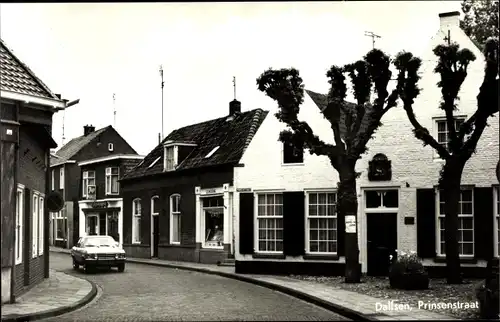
{"x": 340, "y": 231}
{"x": 293, "y": 223}
{"x": 426, "y": 223}
{"x": 246, "y": 223}
{"x": 483, "y": 223}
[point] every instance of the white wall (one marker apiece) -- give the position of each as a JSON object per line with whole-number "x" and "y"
{"x": 112, "y": 203}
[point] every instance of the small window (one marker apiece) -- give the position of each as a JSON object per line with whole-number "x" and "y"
{"x": 443, "y": 133}
{"x": 170, "y": 158}
{"x": 384, "y": 198}
{"x": 110, "y": 147}
{"x": 154, "y": 162}
{"x": 292, "y": 154}
{"x": 212, "y": 152}
{"x": 61, "y": 177}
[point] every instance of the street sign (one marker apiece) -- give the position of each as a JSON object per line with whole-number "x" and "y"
{"x": 55, "y": 201}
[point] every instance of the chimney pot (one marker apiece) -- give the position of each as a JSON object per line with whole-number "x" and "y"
{"x": 449, "y": 20}
{"x": 87, "y": 129}
{"x": 234, "y": 107}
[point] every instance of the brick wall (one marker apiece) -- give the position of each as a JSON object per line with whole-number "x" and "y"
{"x": 32, "y": 158}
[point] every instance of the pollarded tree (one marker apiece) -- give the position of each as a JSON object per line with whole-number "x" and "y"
{"x": 360, "y": 121}
{"x": 462, "y": 141}
{"x": 480, "y": 20}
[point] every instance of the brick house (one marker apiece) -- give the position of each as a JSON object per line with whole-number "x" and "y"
{"x": 66, "y": 176}
{"x": 286, "y": 222}
{"x": 27, "y": 106}
{"x": 178, "y": 202}
{"x": 101, "y": 204}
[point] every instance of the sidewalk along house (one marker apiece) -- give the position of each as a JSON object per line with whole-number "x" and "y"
{"x": 178, "y": 202}
{"x": 27, "y": 106}
{"x": 400, "y": 206}
{"x": 66, "y": 176}
{"x": 101, "y": 204}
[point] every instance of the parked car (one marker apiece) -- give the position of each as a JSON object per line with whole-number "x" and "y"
{"x": 98, "y": 251}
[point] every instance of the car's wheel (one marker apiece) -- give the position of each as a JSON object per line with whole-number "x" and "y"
{"x": 87, "y": 269}
{"x": 75, "y": 264}
{"x": 121, "y": 268}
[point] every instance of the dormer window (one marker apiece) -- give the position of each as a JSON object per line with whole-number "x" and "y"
{"x": 170, "y": 157}
{"x": 212, "y": 152}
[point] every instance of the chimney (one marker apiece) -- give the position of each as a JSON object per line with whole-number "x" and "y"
{"x": 87, "y": 129}
{"x": 448, "y": 20}
{"x": 234, "y": 107}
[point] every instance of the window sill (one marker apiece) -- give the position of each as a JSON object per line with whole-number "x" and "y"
{"x": 18, "y": 263}
{"x": 175, "y": 243}
{"x": 268, "y": 256}
{"x": 321, "y": 256}
{"x": 463, "y": 260}
{"x": 113, "y": 194}
{"x": 61, "y": 239}
{"x": 292, "y": 164}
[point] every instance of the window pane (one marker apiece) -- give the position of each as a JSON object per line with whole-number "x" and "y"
{"x": 279, "y": 223}
{"x": 331, "y": 210}
{"x": 467, "y": 249}
{"x": 270, "y": 210}
{"x": 373, "y": 199}
{"x": 313, "y": 198}
{"x": 322, "y": 198}
{"x": 467, "y": 223}
{"x": 114, "y": 170}
{"x": 278, "y": 210}
{"x": 313, "y": 210}
{"x": 442, "y": 138}
{"x": 261, "y": 210}
{"x": 313, "y": 246}
{"x": 322, "y": 246}
{"x": 322, "y": 235}
{"x": 332, "y": 198}
{"x": 278, "y": 199}
{"x": 466, "y": 208}
{"x": 466, "y": 195}
{"x": 279, "y": 246}
{"x": 314, "y": 223}
{"x": 467, "y": 236}
{"x": 261, "y": 199}
{"x": 262, "y": 246}
{"x": 441, "y": 126}
{"x": 270, "y": 199}
{"x": 390, "y": 198}
{"x": 175, "y": 228}
{"x": 321, "y": 210}
{"x": 332, "y": 247}
{"x": 279, "y": 234}
{"x": 332, "y": 223}
{"x": 313, "y": 235}
{"x": 114, "y": 184}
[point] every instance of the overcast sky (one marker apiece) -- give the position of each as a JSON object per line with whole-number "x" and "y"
{"x": 92, "y": 50}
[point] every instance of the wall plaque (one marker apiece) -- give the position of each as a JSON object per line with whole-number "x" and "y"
{"x": 379, "y": 168}
{"x": 99, "y": 204}
{"x": 409, "y": 220}
{"x": 350, "y": 224}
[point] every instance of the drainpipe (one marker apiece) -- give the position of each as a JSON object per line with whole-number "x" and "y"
{"x": 46, "y": 216}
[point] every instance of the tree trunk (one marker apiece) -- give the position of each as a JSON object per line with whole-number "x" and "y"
{"x": 348, "y": 206}
{"x": 450, "y": 185}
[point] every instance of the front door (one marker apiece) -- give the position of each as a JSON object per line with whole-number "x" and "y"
{"x": 382, "y": 242}
{"x": 113, "y": 226}
{"x": 156, "y": 235}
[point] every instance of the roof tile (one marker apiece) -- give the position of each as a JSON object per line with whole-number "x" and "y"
{"x": 71, "y": 148}
{"x": 16, "y": 76}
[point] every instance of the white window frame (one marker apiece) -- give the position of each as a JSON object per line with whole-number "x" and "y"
{"x": 266, "y": 217}
{"x": 34, "y": 226}
{"x": 436, "y": 122}
{"x": 41, "y": 223}
{"x": 173, "y": 213}
{"x": 496, "y": 218}
{"x": 174, "y": 159}
{"x": 19, "y": 224}
{"x": 460, "y": 217}
{"x": 61, "y": 177}
{"x": 52, "y": 183}
{"x": 136, "y": 215}
{"x": 109, "y": 181}
{"x": 326, "y": 217}
{"x": 86, "y": 177}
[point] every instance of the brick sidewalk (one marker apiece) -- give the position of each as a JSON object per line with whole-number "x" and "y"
{"x": 352, "y": 304}
{"x": 58, "y": 294}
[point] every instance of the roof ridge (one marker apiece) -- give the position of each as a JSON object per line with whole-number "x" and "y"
{"x": 28, "y": 70}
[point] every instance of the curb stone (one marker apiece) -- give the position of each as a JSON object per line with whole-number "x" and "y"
{"x": 336, "y": 308}
{"x": 53, "y": 312}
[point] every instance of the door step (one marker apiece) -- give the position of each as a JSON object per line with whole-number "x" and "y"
{"x": 226, "y": 262}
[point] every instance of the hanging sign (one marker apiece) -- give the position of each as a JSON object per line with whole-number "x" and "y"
{"x": 350, "y": 224}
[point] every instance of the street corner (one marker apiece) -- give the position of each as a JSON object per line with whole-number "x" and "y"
{"x": 59, "y": 294}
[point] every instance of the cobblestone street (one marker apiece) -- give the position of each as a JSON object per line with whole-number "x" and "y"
{"x": 146, "y": 293}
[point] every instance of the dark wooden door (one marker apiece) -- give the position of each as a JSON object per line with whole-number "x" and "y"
{"x": 156, "y": 235}
{"x": 382, "y": 241}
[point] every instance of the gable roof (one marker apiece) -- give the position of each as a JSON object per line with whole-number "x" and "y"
{"x": 15, "y": 76}
{"x": 231, "y": 136}
{"x": 71, "y": 148}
